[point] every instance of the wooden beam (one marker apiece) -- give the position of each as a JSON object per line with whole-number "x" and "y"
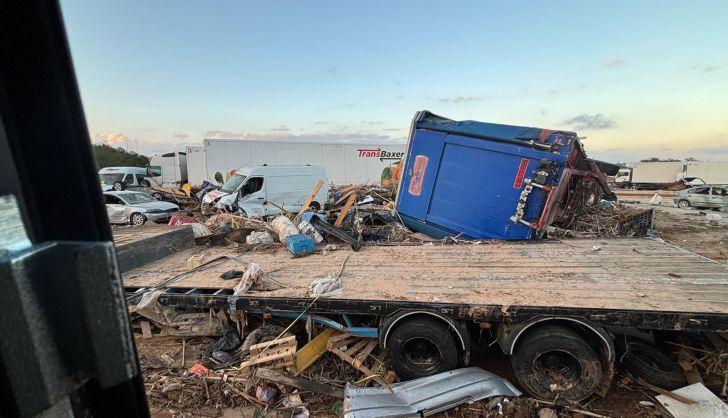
{"x": 345, "y": 210}
{"x": 300, "y": 383}
{"x": 308, "y": 201}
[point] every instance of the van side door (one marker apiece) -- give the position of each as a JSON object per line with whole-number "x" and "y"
{"x": 252, "y": 198}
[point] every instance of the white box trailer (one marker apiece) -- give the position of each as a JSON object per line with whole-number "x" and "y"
{"x": 712, "y": 172}
{"x": 345, "y": 161}
{"x": 168, "y": 170}
{"x": 196, "y": 164}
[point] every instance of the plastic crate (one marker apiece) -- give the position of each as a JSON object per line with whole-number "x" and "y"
{"x": 300, "y": 244}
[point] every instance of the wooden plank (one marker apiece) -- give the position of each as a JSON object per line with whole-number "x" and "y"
{"x": 356, "y": 347}
{"x": 345, "y": 210}
{"x": 300, "y": 383}
{"x": 357, "y": 365}
{"x": 361, "y": 356}
{"x": 308, "y": 201}
{"x": 146, "y": 329}
{"x": 286, "y": 342}
{"x": 311, "y": 352}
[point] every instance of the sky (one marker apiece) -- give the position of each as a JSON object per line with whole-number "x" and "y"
{"x": 638, "y": 79}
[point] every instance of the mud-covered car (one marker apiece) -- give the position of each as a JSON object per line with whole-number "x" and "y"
{"x": 136, "y": 208}
{"x": 707, "y": 196}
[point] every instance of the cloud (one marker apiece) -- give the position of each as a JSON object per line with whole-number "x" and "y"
{"x": 613, "y": 63}
{"x": 553, "y": 92}
{"x": 591, "y": 122}
{"x": 704, "y": 68}
{"x": 180, "y": 136}
{"x": 719, "y": 150}
{"x": 113, "y": 139}
{"x": 371, "y": 122}
{"x": 342, "y": 135}
{"x": 460, "y": 99}
{"x": 280, "y": 128}
{"x": 344, "y": 106}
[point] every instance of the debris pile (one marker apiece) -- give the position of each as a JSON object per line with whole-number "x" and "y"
{"x": 612, "y": 220}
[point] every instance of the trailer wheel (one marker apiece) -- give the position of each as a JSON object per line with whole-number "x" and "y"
{"x": 684, "y": 204}
{"x": 555, "y": 361}
{"x": 421, "y": 346}
{"x": 650, "y": 364}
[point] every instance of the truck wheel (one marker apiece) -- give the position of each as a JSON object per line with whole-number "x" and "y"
{"x": 119, "y": 186}
{"x": 650, "y": 364}
{"x": 683, "y": 204}
{"x": 421, "y": 346}
{"x": 137, "y": 219}
{"x": 555, "y": 361}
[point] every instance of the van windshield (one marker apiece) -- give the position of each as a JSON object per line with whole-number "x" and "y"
{"x": 233, "y": 183}
{"x": 110, "y": 178}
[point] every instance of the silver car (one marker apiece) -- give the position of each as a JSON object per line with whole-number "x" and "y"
{"x": 707, "y": 196}
{"x": 136, "y": 208}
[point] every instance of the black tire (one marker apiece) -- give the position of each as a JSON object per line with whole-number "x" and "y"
{"x": 421, "y": 346}
{"x": 144, "y": 183}
{"x": 119, "y": 186}
{"x": 316, "y": 206}
{"x": 157, "y": 195}
{"x": 653, "y": 366}
{"x": 549, "y": 348}
{"x": 683, "y": 204}
{"x": 137, "y": 219}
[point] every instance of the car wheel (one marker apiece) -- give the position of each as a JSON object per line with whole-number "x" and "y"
{"x": 137, "y": 219}
{"x": 684, "y": 204}
{"x": 119, "y": 186}
{"x": 157, "y": 195}
{"x": 420, "y": 347}
{"x": 556, "y": 362}
{"x": 144, "y": 183}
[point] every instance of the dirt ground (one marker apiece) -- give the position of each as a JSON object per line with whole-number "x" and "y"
{"x": 164, "y": 368}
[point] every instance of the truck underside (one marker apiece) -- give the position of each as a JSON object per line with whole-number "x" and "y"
{"x": 521, "y": 294}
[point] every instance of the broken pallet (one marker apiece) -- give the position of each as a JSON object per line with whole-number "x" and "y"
{"x": 356, "y": 351}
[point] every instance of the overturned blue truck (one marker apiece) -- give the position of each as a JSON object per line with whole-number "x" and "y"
{"x": 481, "y": 180}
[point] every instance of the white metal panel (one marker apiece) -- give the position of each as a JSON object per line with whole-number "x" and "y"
{"x": 656, "y": 172}
{"x": 713, "y": 172}
{"x": 196, "y": 164}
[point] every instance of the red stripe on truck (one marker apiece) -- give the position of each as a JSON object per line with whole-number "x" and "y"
{"x": 518, "y": 182}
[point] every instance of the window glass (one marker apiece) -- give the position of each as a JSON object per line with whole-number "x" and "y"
{"x": 110, "y": 178}
{"x": 139, "y": 178}
{"x": 133, "y": 198}
{"x": 154, "y": 170}
{"x": 719, "y": 191}
{"x": 112, "y": 200}
{"x": 253, "y": 185}
{"x": 701, "y": 190}
{"x": 233, "y": 183}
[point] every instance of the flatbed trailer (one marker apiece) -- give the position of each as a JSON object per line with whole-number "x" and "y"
{"x": 586, "y": 289}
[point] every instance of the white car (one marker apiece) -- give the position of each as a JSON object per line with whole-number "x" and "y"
{"x": 136, "y": 208}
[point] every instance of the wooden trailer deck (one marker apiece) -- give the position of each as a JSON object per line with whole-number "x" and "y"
{"x": 623, "y": 274}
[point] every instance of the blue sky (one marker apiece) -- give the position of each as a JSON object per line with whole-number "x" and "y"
{"x": 637, "y": 78}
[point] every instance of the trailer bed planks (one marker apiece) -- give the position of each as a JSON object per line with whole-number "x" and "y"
{"x": 630, "y": 282}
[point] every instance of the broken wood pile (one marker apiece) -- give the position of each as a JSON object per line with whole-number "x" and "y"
{"x": 704, "y": 359}
{"x": 613, "y": 221}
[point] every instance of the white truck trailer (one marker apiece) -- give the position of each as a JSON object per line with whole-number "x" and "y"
{"x": 346, "y": 162}
{"x": 654, "y": 175}
{"x": 168, "y": 170}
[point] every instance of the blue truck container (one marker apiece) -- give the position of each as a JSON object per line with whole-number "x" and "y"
{"x": 481, "y": 180}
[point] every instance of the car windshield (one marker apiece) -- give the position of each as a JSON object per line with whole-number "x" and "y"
{"x": 110, "y": 178}
{"x": 233, "y": 183}
{"x": 132, "y": 198}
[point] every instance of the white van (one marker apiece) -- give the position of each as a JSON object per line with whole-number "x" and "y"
{"x": 261, "y": 189}
{"x": 117, "y": 178}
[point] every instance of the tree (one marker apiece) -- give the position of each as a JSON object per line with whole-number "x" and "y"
{"x": 108, "y": 156}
